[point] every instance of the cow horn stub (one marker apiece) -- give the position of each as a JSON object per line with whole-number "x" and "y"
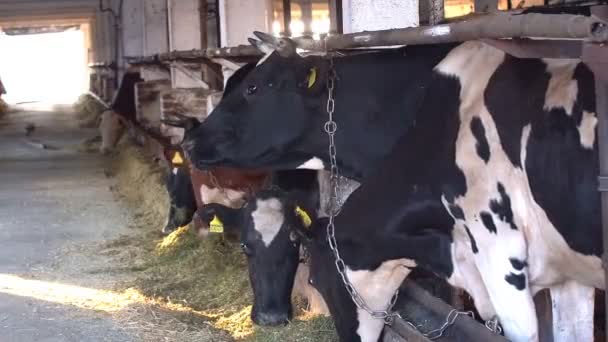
{"x": 284, "y": 46}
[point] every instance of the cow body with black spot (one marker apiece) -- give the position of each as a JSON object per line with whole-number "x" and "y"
{"x": 475, "y": 165}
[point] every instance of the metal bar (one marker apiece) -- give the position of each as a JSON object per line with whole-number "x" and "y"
{"x": 489, "y": 26}
{"x": 601, "y": 91}
{"x": 286, "y": 17}
{"x": 596, "y": 57}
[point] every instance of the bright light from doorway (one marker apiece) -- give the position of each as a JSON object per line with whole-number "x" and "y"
{"x": 48, "y": 67}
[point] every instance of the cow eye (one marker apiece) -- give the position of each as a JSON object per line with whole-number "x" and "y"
{"x": 251, "y": 90}
{"x": 246, "y": 249}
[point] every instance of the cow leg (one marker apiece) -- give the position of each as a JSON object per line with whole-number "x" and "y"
{"x": 573, "y": 308}
{"x": 502, "y": 264}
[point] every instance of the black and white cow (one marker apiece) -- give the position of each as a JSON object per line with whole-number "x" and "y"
{"x": 476, "y": 165}
{"x": 178, "y": 183}
{"x": 182, "y": 201}
{"x": 273, "y": 255}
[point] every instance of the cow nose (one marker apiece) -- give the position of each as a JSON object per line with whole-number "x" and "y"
{"x": 270, "y": 318}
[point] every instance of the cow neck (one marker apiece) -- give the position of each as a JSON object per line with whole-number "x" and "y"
{"x": 370, "y": 125}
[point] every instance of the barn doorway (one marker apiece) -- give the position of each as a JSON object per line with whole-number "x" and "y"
{"x": 43, "y": 64}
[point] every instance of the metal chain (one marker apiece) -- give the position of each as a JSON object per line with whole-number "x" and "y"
{"x": 493, "y": 325}
{"x": 387, "y": 315}
{"x": 449, "y": 321}
{"x": 330, "y": 128}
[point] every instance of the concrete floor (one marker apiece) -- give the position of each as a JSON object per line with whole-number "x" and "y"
{"x": 52, "y": 201}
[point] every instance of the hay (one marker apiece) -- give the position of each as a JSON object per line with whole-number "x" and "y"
{"x": 4, "y": 108}
{"x": 88, "y": 111}
{"x": 207, "y": 277}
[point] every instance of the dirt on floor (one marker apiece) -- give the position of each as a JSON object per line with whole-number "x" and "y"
{"x": 205, "y": 281}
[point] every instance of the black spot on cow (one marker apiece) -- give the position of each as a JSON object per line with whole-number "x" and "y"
{"x": 502, "y": 207}
{"x": 456, "y": 211}
{"x": 473, "y": 242}
{"x": 488, "y": 221}
{"x": 479, "y": 132}
{"x": 517, "y": 280}
{"x": 518, "y": 264}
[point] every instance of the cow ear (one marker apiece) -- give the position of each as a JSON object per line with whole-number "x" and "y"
{"x": 221, "y": 219}
{"x": 312, "y": 75}
{"x": 303, "y": 222}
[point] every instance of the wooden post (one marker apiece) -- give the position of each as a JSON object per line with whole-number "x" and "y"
{"x": 486, "y": 6}
{"x": 436, "y": 11}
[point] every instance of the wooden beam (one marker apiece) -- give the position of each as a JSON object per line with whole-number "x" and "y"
{"x": 490, "y": 26}
{"x": 428, "y": 313}
{"x": 237, "y": 51}
{"x": 533, "y": 48}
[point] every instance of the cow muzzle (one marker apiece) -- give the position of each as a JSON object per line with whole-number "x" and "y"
{"x": 270, "y": 318}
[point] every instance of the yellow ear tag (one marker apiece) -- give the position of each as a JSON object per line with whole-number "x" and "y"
{"x": 312, "y": 77}
{"x": 216, "y": 226}
{"x": 177, "y": 159}
{"x": 306, "y": 221}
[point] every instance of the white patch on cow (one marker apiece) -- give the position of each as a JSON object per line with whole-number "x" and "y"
{"x": 473, "y": 64}
{"x": 562, "y": 90}
{"x": 586, "y": 129}
{"x": 572, "y": 309}
{"x": 312, "y": 164}
{"x": 525, "y": 136}
{"x": 377, "y": 287}
{"x": 268, "y": 219}
{"x": 263, "y": 59}
{"x": 228, "y": 197}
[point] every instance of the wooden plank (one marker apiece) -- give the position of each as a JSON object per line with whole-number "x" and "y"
{"x": 428, "y": 313}
{"x": 489, "y": 26}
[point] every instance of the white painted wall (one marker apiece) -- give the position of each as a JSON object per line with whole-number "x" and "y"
{"x": 239, "y": 18}
{"x": 361, "y": 15}
{"x": 155, "y": 35}
{"x": 184, "y": 34}
{"x": 133, "y": 28}
{"x": 156, "y": 38}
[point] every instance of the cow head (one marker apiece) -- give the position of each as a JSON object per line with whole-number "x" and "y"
{"x": 270, "y": 119}
{"x": 270, "y": 228}
{"x": 181, "y": 193}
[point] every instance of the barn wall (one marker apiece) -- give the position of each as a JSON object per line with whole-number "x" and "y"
{"x": 239, "y": 18}
{"x": 360, "y": 15}
{"x": 133, "y": 28}
{"x": 185, "y": 34}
